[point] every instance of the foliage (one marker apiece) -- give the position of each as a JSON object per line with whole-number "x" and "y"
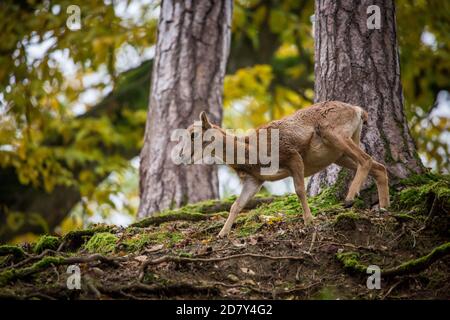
{"x": 53, "y": 131}
{"x": 64, "y": 72}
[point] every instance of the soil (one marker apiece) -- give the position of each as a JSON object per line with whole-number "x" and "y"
{"x": 280, "y": 258}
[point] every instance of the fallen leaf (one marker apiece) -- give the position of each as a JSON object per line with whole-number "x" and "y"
{"x": 232, "y": 277}
{"x": 154, "y": 248}
{"x": 249, "y": 271}
{"x": 140, "y": 258}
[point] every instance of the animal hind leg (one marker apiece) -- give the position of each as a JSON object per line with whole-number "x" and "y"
{"x": 378, "y": 171}
{"x": 355, "y": 153}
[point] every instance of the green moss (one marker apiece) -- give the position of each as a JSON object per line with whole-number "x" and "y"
{"x": 137, "y": 242}
{"x": 46, "y": 242}
{"x": 12, "y": 274}
{"x": 171, "y": 215}
{"x": 359, "y": 204}
{"x": 403, "y": 217}
{"x": 16, "y": 251}
{"x": 421, "y": 263}
{"x": 103, "y": 242}
{"x": 6, "y": 277}
{"x": 346, "y": 217}
{"x": 419, "y": 189}
{"x": 326, "y": 293}
{"x": 249, "y": 228}
{"x": 350, "y": 262}
{"x": 168, "y": 238}
{"x": 184, "y": 254}
{"x": 325, "y": 201}
{"x": 76, "y": 238}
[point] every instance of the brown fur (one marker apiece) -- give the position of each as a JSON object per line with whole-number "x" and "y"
{"x": 310, "y": 140}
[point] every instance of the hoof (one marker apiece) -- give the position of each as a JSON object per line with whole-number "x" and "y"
{"x": 348, "y": 203}
{"x": 223, "y": 234}
{"x": 308, "y": 221}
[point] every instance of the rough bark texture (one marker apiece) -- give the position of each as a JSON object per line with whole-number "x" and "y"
{"x": 360, "y": 66}
{"x": 191, "y": 53}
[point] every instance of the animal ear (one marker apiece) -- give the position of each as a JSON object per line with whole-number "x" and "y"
{"x": 205, "y": 121}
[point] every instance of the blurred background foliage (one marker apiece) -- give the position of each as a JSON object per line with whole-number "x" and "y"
{"x": 73, "y": 103}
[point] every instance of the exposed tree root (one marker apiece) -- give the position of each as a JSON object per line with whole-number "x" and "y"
{"x": 179, "y": 216}
{"x": 12, "y": 250}
{"x": 176, "y": 289}
{"x": 74, "y": 239}
{"x": 31, "y": 258}
{"x": 420, "y": 264}
{"x": 199, "y": 213}
{"x": 12, "y": 274}
{"x": 351, "y": 263}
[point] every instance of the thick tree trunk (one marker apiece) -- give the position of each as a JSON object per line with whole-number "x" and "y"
{"x": 360, "y": 66}
{"x": 191, "y": 53}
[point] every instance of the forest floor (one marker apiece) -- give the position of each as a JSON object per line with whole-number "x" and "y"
{"x": 270, "y": 253}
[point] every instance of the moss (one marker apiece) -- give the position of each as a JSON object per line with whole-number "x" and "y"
{"x": 76, "y": 238}
{"x": 403, "y": 217}
{"x": 77, "y": 234}
{"x": 359, "y": 204}
{"x": 137, "y": 242}
{"x": 12, "y": 274}
{"x": 197, "y": 211}
{"x": 168, "y": 216}
{"x": 350, "y": 262}
{"x": 287, "y": 205}
{"x": 168, "y": 238}
{"x": 185, "y": 254}
{"x": 418, "y": 189}
{"x": 6, "y": 277}
{"x": 248, "y": 229}
{"x": 347, "y": 220}
{"x": 16, "y": 251}
{"x": 103, "y": 242}
{"x": 326, "y": 293}
{"x": 46, "y": 242}
{"x": 346, "y": 217}
{"x": 421, "y": 263}
{"x": 326, "y": 201}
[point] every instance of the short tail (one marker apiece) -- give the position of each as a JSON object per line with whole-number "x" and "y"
{"x": 365, "y": 116}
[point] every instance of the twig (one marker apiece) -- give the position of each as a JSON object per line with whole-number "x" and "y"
{"x": 46, "y": 262}
{"x": 313, "y": 239}
{"x": 391, "y": 288}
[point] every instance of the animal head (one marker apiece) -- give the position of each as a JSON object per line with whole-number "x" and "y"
{"x": 198, "y": 140}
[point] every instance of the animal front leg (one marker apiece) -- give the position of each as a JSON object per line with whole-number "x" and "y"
{"x": 297, "y": 170}
{"x": 249, "y": 189}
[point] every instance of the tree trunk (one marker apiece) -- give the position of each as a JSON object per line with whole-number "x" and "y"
{"x": 191, "y": 53}
{"x": 358, "y": 65}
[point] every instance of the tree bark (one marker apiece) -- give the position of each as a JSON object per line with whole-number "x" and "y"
{"x": 191, "y": 53}
{"x": 358, "y": 65}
